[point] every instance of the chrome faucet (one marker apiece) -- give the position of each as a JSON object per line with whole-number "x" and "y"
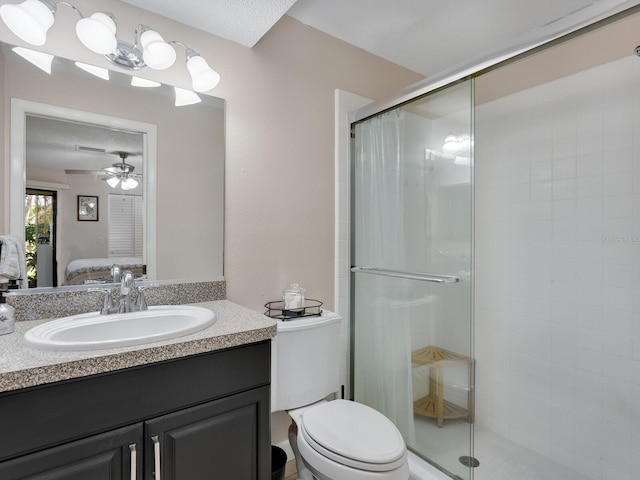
{"x": 126, "y": 286}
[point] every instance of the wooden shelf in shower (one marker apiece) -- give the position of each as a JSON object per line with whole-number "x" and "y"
{"x": 434, "y": 405}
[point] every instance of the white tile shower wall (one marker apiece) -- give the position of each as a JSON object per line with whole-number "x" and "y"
{"x": 557, "y": 178}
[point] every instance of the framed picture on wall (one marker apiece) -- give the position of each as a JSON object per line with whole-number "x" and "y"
{"x": 87, "y": 208}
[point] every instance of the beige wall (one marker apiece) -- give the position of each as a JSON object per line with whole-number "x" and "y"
{"x": 279, "y": 195}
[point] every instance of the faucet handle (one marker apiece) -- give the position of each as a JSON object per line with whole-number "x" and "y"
{"x": 141, "y": 300}
{"x": 115, "y": 273}
{"x": 107, "y": 305}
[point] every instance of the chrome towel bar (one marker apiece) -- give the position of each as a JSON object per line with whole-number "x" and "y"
{"x": 423, "y": 277}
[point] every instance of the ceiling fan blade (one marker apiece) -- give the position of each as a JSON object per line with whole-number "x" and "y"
{"x": 87, "y": 172}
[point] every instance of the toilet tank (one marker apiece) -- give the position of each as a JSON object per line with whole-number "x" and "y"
{"x": 305, "y": 361}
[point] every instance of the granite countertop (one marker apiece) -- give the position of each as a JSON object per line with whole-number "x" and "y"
{"x": 22, "y": 366}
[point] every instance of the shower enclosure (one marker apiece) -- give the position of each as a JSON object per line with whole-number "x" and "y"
{"x": 496, "y": 265}
{"x": 411, "y": 217}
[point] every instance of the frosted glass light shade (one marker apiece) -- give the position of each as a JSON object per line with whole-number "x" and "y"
{"x": 143, "y": 82}
{"x": 156, "y": 53}
{"x": 113, "y": 181}
{"x": 129, "y": 183}
{"x": 29, "y": 20}
{"x": 203, "y": 77}
{"x": 97, "y": 33}
{"x": 39, "y": 59}
{"x": 185, "y": 97}
{"x": 99, "y": 72}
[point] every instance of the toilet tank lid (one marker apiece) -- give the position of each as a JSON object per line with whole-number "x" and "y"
{"x": 354, "y": 431}
{"x": 308, "y": 322}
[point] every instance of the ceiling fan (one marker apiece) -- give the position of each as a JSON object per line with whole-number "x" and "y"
{"x": 118, "y": 173}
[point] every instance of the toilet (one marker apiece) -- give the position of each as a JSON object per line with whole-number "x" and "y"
{"x": 331, "y": 439}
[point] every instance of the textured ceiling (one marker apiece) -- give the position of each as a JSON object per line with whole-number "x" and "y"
{"x": 242, "y": 21}
{"x": 426, "y": 36}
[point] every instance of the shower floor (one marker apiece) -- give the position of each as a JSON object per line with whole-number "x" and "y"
{"x": 500, "y": 459}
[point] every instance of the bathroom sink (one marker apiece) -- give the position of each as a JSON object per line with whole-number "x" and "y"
{"x": 92, "y": 331}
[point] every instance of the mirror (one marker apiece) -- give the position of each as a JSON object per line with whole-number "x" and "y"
{"x": 180, "y": 166}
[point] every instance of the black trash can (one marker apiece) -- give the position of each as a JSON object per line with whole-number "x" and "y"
{"x": 278, "y": 463}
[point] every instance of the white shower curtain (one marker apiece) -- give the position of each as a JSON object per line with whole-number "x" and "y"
{"x": 382, "y": 367}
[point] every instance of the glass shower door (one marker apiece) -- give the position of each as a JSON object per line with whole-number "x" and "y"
{"x": 411, "y": 236}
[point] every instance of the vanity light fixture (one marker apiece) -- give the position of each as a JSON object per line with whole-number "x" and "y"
{"x": 39, "y": 59}
{"x": 203, "y": 77}
{"x": 32, "y": 19}
{"x": 98, "y": 33}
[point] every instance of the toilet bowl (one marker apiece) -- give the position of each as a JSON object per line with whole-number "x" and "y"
{"x": 336, "y": 439}
{"x": 346, "y": 440}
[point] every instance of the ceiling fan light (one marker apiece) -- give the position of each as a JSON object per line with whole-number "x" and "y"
{"x": 29, "y": 20}
{"x": 185, "y": 97}
{"x": 203, "y": 77}
{"x": 39, "y": 59}
{"x": 112, "y": 181}
{"x": 156, "y": 53}
{"x": 98, "y": 33}
{"x": 129, "y": 183}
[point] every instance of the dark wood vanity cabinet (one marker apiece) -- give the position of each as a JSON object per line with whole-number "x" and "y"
{"x": 199, "y": 417}
{"x": 107, "y": 456}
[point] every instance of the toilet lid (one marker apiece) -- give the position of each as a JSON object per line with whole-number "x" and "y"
{"x": 353, "y": 434}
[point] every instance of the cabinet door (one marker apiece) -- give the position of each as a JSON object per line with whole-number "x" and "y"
{"x": 107, "y": 456}
{"x": 222, "y": 439}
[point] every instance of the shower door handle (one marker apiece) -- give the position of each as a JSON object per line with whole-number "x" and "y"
{"x": 423, "y": 277}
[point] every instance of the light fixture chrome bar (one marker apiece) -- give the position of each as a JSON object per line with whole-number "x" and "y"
{"x": 423, "y": 277}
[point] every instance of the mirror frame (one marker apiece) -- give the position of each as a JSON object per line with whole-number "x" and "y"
{"x": 18, "y": 173}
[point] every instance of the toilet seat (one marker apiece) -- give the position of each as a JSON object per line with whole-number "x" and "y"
{"x": 354, "y": 435}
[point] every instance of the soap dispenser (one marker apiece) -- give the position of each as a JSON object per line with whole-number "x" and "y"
{"x": 7, "y": 313}
{"x": 293, "y": 297}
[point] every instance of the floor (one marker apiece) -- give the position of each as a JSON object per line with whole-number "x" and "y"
{"x": 290, "y": 471}
{"x": 500, "y": 459}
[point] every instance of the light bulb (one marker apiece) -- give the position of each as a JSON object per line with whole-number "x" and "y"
{"x": 39, "y": 59}
{"x": 203, "y": 77}
{"x": 29, "y": 20}
{"x": 98, "y": 33}
{"x": 156, "y": 53}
